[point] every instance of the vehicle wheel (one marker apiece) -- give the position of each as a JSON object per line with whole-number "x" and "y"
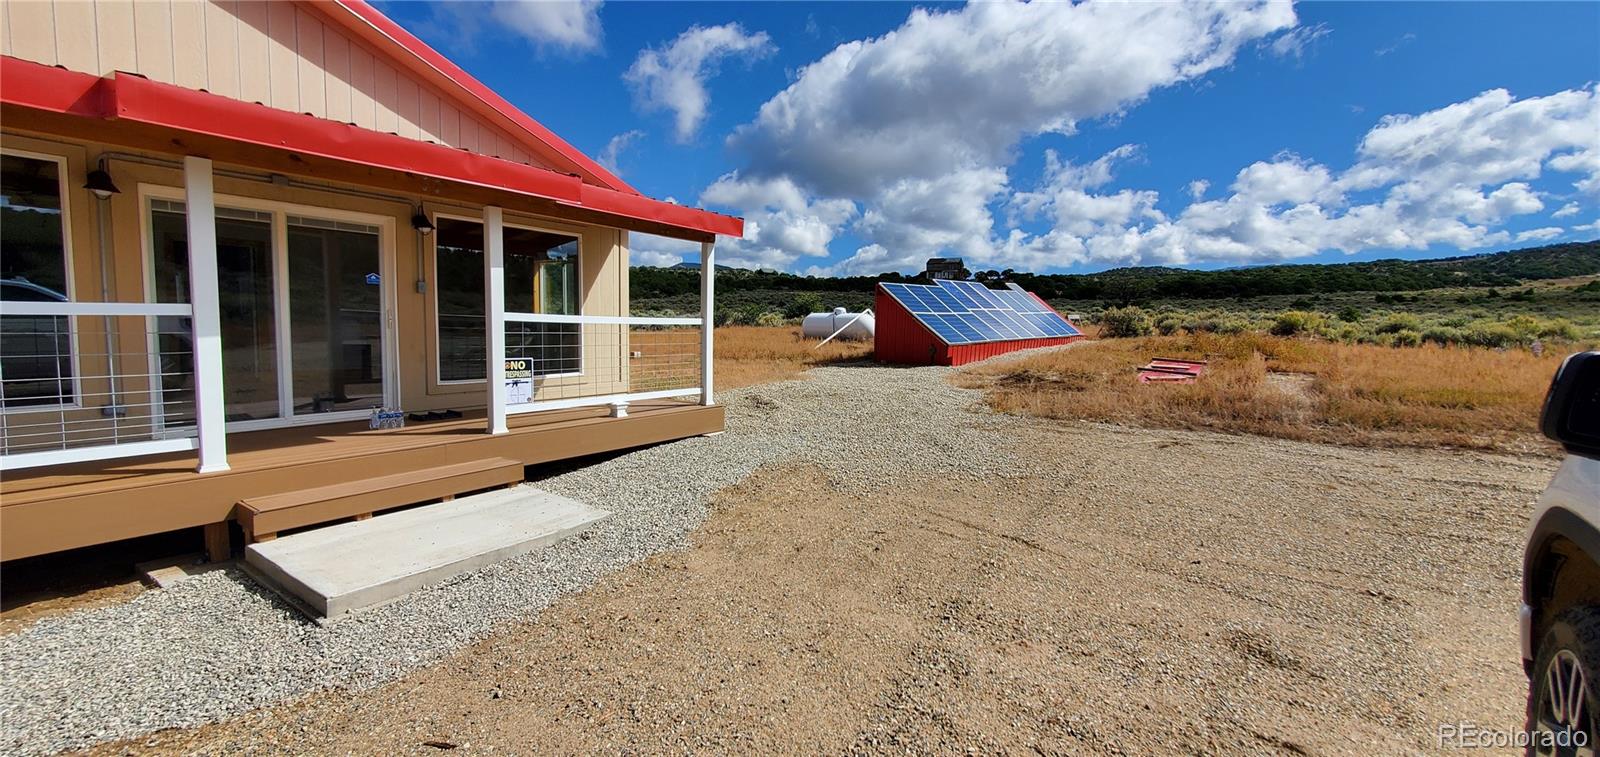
{"x": 1562, "y": 703}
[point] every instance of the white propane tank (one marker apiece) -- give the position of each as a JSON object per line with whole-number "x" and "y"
{"x": 820, "y": 325}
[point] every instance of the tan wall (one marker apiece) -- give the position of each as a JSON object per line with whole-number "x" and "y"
{"x": 603, "y": 264}
{"x": 274, "y": 53}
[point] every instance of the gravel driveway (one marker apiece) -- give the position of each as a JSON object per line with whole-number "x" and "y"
{"x": 1114, "y": 587}
{"x": 218, "y": 644}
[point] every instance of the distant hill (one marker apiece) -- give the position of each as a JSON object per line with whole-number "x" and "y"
{"x": 1133, "y": 284}
{"x": 691, "y": 266}
{"x": 1489, "y": 270}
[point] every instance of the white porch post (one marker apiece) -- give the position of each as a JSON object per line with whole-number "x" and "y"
{"x": 210, "y": 414}
{"x": 494, "y": 289}
{"x": 708, "y": 272}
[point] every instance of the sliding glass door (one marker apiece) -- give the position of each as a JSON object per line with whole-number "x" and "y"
{"x": 245, "y": 298}
{"x": 303, "y": 312}
{"x": 335, "y": 316}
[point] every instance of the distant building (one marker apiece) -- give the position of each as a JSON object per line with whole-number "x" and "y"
{"x": 947, "y": 268}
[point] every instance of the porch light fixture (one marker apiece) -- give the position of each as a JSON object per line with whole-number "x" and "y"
{"x": 100, "y": 183}
{"x": 421, "y": 223}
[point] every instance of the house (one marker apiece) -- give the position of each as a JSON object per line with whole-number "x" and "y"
{"x": 954, "y": 269}
{"x": 243, "y": 242}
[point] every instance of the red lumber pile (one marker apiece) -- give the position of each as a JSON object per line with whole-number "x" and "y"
{"x": 1169, "y": 370}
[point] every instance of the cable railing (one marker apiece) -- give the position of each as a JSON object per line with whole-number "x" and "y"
{"x": 565, "y": 361}
{"x": 92, "y": 381}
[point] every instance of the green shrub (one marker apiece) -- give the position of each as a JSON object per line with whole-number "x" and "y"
{"x": 1124, "y": 322}
{"x": 1442, "y": 335}
{"x": 770, "y": 318}
{"x": 1232, "y": 325}
{"x": 1291, "y": 322}
{"x": 1560, "y": 328}
{"x": 1489, "y": 334}
{"x": 1350, "y": 314}
{"x": 803, "y": 304}
{"x": 1407, "y": 338}
{"x": 1168, "y": 324}
{"x": 1395, "y": 323}
{"x": 1203, "y": 322}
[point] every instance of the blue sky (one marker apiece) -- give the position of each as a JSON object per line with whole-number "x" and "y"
{"x": 864, "y": 137}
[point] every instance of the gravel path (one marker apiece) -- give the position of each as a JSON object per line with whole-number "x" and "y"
{"x": 219, "y": 645}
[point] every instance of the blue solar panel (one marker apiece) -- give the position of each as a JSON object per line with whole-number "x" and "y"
{"x": 966, "y": 312}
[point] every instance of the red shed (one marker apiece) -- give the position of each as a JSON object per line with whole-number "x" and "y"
{"x": 959, "y": 322}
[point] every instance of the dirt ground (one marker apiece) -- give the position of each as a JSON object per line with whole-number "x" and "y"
{"x": 1156, "y": 592}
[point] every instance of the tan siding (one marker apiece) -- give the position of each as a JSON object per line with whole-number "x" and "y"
{"x": 336, "y": 60}
{"x": 312, "y": 69}
{"x": 113, "y": 22}
{"x": 363, "y": 106}
{"x": 33, "y": 35}
{"x": 189, "y": 57}
{"x": 430, "y": 116}
{"x": 409, "y": 109}
{"x": 282, "y": 58}
{"x": 282, "y": 54}
{"x": 449, "y": 125}
{"x": 469, "y": 134}
{"x": 5, "y": 28}
{"x": 74, "y": 39}
{"x": 152, "y": 39}
{"x": 255, "y": 68}
{"x": 222, "y": 49}
{"x": 386, "y": 80}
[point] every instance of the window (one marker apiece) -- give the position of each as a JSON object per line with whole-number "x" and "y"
{"x": 245, "y": 302}
{"x": 541, "y": 270}
{"x": 35, "y": 351}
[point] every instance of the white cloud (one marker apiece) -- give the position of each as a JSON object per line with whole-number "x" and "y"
{"x": 570, "y": 25}
{"x": 1569, "y": 209}
{"x": 904, "y": 141}
{"x": 1540, "y": 234}
{"x": 918, "y": 125}
{"x": 649, "y": 249}
{"x": 1448, "y": 177}
{"x": 1298, "y": 41}
{"x": 674, "y": 78}
{"x": 1402, "y": 41}
{"x": 609, "y": 154}
{"x": 958, "y": 90}
{"x": 781, "y": 224}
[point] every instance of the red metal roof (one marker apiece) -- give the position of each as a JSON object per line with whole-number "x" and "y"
{"x": 405, "y": 49}
{"x": 132, "y": 98}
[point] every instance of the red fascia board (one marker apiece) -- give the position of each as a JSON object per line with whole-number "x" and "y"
{"x": 382, "y": 31}
{"x": 57, "y": 90}
{"x": 644, "y": 208}
{"x": 135, "y": 99}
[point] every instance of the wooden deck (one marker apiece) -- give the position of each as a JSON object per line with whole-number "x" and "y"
{"x": 62, "y": 507}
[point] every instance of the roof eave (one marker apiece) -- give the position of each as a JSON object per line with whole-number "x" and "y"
{"x": 131, "y": 98}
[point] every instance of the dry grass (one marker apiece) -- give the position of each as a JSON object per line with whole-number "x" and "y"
{"x": 1291, "y": 388}
{"x": 747, "y": 355}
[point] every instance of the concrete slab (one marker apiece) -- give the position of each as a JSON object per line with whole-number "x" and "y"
{"x": 339, "y": 569}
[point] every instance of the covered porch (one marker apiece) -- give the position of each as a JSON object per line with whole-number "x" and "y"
{"x": 256, "y": 303}
{"x": 70, "y": 505}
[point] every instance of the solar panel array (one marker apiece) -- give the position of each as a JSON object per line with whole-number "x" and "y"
{"x": 966, "y": 312}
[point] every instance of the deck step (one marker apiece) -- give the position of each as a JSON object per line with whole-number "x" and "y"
{"x": 350, "y": 566}
{"x": 263, "y": 517}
